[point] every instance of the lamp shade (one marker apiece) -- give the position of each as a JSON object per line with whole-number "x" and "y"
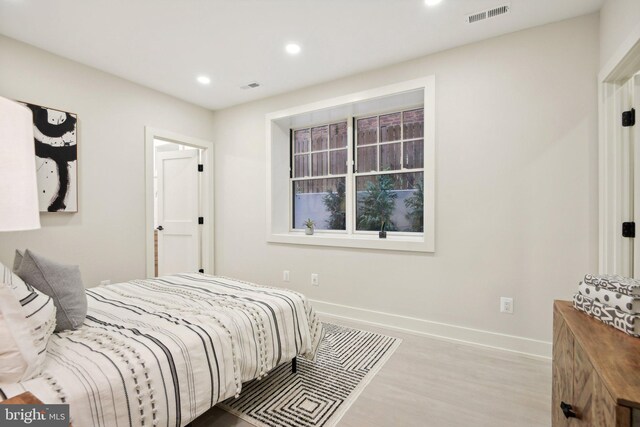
{"x": 18, "y": 189}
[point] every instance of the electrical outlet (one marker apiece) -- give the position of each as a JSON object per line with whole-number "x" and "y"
{"x": 105, "y": 282}
{"x": 315, "y": 281}
{"x": 285, "y": 275}
{"x": 506, "y": 305}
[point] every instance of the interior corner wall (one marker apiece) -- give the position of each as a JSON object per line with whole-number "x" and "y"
{"x": 618, "y": 18}
{"x": 107, "y": 236}
{"x": 516, "y": 188}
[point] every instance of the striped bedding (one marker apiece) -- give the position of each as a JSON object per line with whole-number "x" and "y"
{"x": 160, "y": 352}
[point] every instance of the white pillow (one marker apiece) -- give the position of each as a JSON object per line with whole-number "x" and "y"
{"x": 27, "y": 320}
{"x": 38, "y": 308}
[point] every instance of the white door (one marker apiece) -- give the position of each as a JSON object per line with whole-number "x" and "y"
{"x": 178, "y": 209}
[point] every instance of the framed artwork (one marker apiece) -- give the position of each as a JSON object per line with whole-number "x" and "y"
{"x": 55, "y": 137}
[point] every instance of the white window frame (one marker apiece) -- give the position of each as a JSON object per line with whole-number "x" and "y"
{"x": 279, "y": 189}
{"x": 353, "y": 176}
{"x": 311, "y": 177}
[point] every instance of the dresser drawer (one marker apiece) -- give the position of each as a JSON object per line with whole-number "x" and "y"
{"x": 585, "y": 392}
{"x": 562, "y": 370}
{"x": 592, "y": 402}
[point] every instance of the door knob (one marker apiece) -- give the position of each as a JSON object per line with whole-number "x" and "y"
{"x": 160, "y": 228}
{"x": 567, "y": 410}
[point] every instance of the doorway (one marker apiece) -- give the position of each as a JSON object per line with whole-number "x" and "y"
{"x": 619, "y": 162}
{"x": 179, "y": 198}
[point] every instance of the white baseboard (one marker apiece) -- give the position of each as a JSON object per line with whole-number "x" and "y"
{"x": 512, "y": 343}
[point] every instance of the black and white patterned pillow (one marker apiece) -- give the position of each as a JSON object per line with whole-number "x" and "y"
{"x": 38, "y": 310}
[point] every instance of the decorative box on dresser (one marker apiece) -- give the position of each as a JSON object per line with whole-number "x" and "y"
{"x": 596, "y": 372}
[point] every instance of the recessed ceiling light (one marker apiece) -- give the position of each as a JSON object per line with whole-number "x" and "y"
{"x": 432, "y": 2}
{"x": 293, "y": 48}
{"x": 203, "y": 80}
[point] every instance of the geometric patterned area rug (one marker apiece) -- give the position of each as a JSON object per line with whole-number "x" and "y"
{"x": 320, "y": 393}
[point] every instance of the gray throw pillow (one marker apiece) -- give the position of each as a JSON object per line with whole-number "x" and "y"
{"x": 62, "y": 283}
{"x": 17, "y": 260}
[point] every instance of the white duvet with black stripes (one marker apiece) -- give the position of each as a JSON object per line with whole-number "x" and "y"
{"x": 160, "y": 352}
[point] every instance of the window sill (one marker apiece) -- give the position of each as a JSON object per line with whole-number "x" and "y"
{"x": 357, "y": 241}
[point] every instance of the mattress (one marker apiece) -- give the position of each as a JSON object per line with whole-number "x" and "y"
{"x": 160, "y": 352}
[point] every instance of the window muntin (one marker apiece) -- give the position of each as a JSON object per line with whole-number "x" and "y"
{"x": 319, "y": 176}
{"x": 387, "y": 180}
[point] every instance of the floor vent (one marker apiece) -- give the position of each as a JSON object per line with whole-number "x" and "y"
{"x": 488, "y": 13}
{"x": 251, "y": 86}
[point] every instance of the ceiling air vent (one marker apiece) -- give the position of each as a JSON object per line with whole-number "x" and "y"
{"x": 488, "y": 13}
{"x": 251, "y": 86}
{"x": 476, "y": 17}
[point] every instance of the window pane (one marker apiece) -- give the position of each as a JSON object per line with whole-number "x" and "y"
{"x": 395, "y": 199}
{"x": 414, "y": 154}
{"x": 390, "y": 127}
{"x": 367, "y": 159}
{"x": 338, "y": 135}
{"x": 319, "y": 164}
{"x": 321, "y": 200}
{"x": 301, "y": 165}
{"x": 414, "y": 124}
{"x": 368, "y": 131}
{"x": 319, "y": 138}
{"x": 390, "y": 157}
{"x": 301, "y": 138}
{"x": 338, "y": 162}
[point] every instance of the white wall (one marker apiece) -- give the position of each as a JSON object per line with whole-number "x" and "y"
{"x": 516, "y": 190}
{"x": 516, "y": 182}
{"x": 618, "y": 18}
{"x": 106, "y": 237}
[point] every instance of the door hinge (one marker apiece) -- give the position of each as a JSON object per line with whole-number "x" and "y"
{"x": 200, "y": 168}
{"x": 629, "y": 118}
{"x": 628, "y": 229}
{"x": 201, "y": 270}
{"x": 200, "y": 220}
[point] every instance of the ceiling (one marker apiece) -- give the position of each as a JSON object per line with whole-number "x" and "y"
{"x": 166, "y": 44}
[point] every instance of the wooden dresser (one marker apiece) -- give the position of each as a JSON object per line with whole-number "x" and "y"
{"x": 596, "y": 372}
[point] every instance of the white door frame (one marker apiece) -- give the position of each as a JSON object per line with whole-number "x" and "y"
{"x": 613, "y": 249}
{"x": 206, "y": 194}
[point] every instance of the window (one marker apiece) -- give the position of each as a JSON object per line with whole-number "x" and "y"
{"x": 390, "y": 172}
{"x": 354, "y": 165}
{"x": 319, "y": 171}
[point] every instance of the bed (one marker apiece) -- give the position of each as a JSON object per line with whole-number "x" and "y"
{"x": 160, "y": 352}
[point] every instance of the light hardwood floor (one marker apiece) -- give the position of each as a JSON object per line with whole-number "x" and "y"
{"x": 430, "y": 382}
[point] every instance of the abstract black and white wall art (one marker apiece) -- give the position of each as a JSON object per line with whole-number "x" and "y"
{"x": 56, "y": 158}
